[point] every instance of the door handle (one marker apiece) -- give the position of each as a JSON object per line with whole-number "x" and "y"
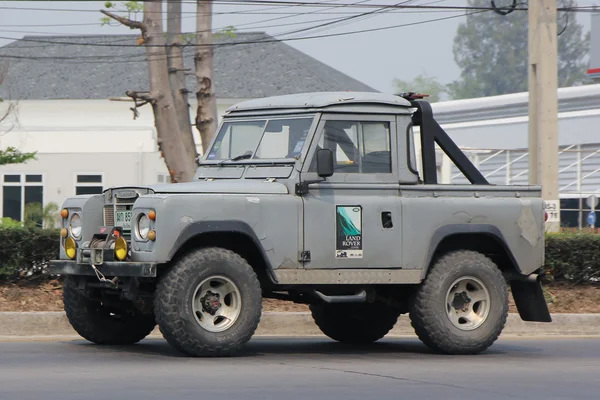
{"x": 386, "y": 220}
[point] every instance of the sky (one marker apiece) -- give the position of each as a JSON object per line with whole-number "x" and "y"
{"x": 374, "y": 58}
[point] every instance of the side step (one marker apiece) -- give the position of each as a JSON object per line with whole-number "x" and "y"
{"x": 360, "y": 297}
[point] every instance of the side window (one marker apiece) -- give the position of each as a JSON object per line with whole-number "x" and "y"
{"x": 358, "y": 147}
{"x": 412, "y": 155}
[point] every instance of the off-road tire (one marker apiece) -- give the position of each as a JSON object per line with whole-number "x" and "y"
{"x": 174, "y": 310}
{"x": 92, "y": 321}
{"x": 428, "y": 308}
{"x": 354, "y": 323}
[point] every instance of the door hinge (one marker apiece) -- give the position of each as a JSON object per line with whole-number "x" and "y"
{"x": 304, "y": 256}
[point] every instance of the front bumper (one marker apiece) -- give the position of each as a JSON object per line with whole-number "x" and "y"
{"x": 108, "y": 268}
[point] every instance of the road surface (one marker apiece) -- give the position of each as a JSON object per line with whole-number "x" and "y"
{"x": 297, "y": 368}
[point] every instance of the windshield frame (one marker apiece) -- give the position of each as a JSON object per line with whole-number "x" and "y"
{"x": 315, "y": 116}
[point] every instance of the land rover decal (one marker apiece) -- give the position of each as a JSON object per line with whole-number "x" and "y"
{"x": 349, "y": 232}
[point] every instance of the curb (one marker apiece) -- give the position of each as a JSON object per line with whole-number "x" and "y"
{"x": 41, "y": 325}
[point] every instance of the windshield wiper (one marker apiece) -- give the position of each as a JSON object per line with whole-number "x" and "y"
{"x": 244, "y": 156}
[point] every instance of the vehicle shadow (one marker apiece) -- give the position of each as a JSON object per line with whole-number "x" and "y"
{"x": 303, "y": 346}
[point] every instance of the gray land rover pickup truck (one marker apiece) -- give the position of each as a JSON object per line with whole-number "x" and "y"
{"x": 325, "y": 199}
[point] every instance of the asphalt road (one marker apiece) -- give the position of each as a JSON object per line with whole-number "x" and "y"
{"x": 306, "y": 369}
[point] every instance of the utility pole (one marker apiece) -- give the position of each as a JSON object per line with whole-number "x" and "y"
{"x": 543, "y": 106}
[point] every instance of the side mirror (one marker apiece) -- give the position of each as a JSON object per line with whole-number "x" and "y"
{"x": 324, "y": 163}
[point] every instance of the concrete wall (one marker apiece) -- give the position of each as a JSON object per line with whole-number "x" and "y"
{"x": 75, "y": 126}
{"x": 59, "y": 173}
{"x": 83, "y": 137}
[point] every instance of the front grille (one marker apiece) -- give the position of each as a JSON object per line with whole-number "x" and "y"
{"x": 121, "y": 199}
{"x": 109, "y": 216}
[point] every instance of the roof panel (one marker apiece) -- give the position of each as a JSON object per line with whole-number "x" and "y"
{"x": 320, "y": 100}
{"x": 251, "y": 65}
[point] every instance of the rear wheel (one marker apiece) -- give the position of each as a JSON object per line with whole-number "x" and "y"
{"x": 462, "y": 306}
{"x": 101, "y": 323}
{"x": 354, "y": 323}
{"x": 209, "y": 303}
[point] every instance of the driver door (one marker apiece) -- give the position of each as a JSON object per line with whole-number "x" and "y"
{"x": 352, "y": 220}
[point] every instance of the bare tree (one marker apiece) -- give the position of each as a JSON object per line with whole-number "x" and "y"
{"x": 171, "y": 138}
{"x": 8, "y": 116}
{"x": 177, "y": 75}
{"x": 206, "y": 115}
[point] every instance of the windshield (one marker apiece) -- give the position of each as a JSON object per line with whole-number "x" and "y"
{"x": 265, "y": 138}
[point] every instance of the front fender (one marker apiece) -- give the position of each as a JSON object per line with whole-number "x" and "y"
{"x": 199, "y": 227}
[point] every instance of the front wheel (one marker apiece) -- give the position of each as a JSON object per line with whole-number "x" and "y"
{"x": 462, "y": 306}
{"x": 101, "y": 323}
{"x": 209, "y": 303}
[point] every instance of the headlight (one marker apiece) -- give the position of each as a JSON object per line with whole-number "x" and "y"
{"x": 143, "y": 226}
{"x": 75, "y": 226}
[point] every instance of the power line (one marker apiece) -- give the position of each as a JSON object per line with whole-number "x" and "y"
{"x": 289, "y": 4}
{"x": 247, "y": 23}
{"x": 296, "y": 4}
{"x": 213, "y": 30}
{"x": 354, "y": 17}
{"x": 362, "y": 17}
{"x": 274, "y": 40}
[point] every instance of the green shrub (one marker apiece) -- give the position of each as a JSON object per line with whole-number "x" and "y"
{"x": 26, "y": 251}
{"x": 573, "y": 257}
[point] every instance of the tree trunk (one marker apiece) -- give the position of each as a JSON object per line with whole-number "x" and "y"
{"x": 179, "y": 161}
{"x": 177, "y": 76}
{"x": 206, "y": 115}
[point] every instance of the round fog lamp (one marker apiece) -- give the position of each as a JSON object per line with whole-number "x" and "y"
{"x": 120, "y": 248}
{"x": 143, "y": 226}
{"x": 75, "y": 226}
{"x": 70, "y": 248}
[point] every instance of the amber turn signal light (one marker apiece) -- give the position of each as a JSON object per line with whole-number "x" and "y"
{"x": 64, "y": 232}
{"x": 152, "y": 235}
{"x": 152, "y": 215}
{"x": 64, "y": 213}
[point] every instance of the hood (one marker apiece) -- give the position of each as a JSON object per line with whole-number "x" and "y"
{"x": 241, "y": 186}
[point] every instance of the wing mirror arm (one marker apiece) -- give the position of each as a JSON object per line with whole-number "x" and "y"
{"x": 324, "y": 170}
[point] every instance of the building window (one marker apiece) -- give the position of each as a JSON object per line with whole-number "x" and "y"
{"x": 163, "y": 178}
{"x": 22, "y": 195}
{"x": 89, "y": 184}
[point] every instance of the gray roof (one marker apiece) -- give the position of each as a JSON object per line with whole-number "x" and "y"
{"x": 82, "y": 70}
{"x": 321, "y": 100}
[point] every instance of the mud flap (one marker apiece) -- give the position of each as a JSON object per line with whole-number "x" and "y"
{"x": 529, "y": 299}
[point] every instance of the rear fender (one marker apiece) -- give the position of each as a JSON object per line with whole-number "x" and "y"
{"x": 526, "y": 289}
{"x": 447, "y": 231}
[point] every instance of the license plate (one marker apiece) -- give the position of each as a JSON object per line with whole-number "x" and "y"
{"x": 123, "y": 220}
